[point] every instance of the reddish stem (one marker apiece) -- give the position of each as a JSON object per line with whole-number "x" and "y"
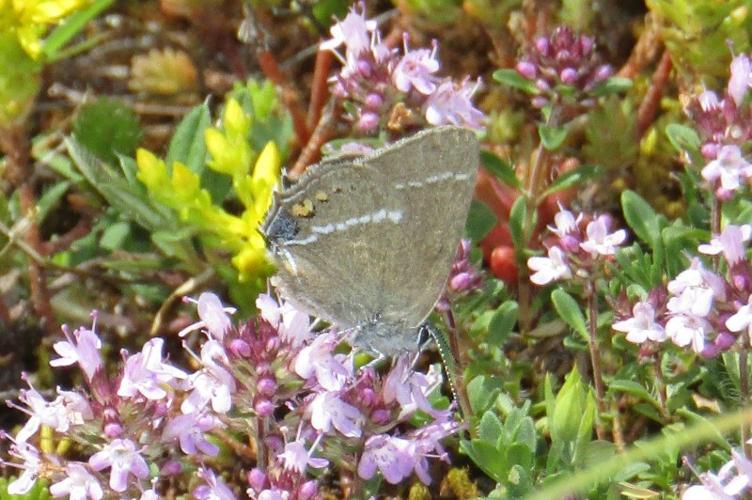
{"x": 319, "y": 87}
{"x": 651, "y": 102}
{"x": 312, "y": 150}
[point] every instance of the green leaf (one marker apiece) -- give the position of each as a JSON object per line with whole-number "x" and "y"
{"x": 187, "y": 145}
{"x": 517, "y": 216}
{"x": 614, "y": 85}
{"x": 482, "y": 391}
{"x": 130, "y": 201}
{"x": 515, "y": 80}
{"x": 480, "y": 221}
{"x": 107, "y": 128}
{"x": 552, "y": 137}
{"x": 570, "y": 408}
{"x": 633, "y": 388}
{"x": 490, "y": 429}
{"x": 487, "y": 457}
{"x": 50, "y": 198}
{"x": 641, "y": 218}
{"x": 683, "y": 138}
{"x": 502, "y": 323}
{"x": 500, "y": 168}
{"x": 114, "y": 236}
{"x": 72, "y": 25}
{"x": 570, "y": 312}
{"x": 571, "y": 179}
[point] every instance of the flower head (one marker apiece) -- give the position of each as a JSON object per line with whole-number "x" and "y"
{"x": 551, "y": 268}
{"x": 78, "y": 484}
{"x": 599, "y": 240}
{"x": 642, "y": 325}
{"x": 729, "y": 167}
{"x": 81, "y": 347}
{"x": 123, "y": 459}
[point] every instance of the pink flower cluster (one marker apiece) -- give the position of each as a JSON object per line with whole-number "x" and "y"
{"x": 564, "y": 58}
{"x": 375, "y": 79}
{"x": 700, "y": 308}
{"x": 270, "y": 379}
{"x": 576, "y": 249}
{"x": 725, "y": 124}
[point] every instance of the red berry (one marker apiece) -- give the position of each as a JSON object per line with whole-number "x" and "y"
{"x": 503, "y": 264}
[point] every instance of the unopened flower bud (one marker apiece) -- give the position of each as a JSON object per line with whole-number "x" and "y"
{"x": 380, "y": 416}
{"x": 710, "y": 150}
{"x": 586, "y": 45}
{"x": 724, "y": 341}
{"x": 264, "y": 407}
{"x": 368, "y": 121}
{"x": 267, "y": 386}
{"x": 461, "y": 281}
{"x": 364, "y": 68}
{"x": 568, "y": 76}
{"x": 542, "y": 85}
{"x": 603, "y": 72}
{"x": 171, "y": 468}
{"x": 374, "y": 101}
{"x": 526, "y": 69}
{"x": 113, "y": 429}
{"x": 542, "y": 45}
{"x": 308, "y": 490}
{"x": 538, "y": 101}
{"x": 257, "y": 479}
{"x": 740, "y": 279}
{"x": 239, "y": 348}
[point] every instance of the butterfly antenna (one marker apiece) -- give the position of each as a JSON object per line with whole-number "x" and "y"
{"x": 447, "y": 359}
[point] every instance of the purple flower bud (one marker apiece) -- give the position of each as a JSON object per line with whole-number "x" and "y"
{"x": 113, "y": 429}
{"x": 381, "y": 416}
{"x": 257, "y": 479}
{"x": 368, "y": 121}
{"x": 364, "y": 68}
{"x": 542, "y": 45}
{"x": 724, "y": 194}
{"x": 710, "y": 150}
{"x": 374, "y": 101}
{"x": 239, "y": 348}
{"x": 710, "y": 351}
{"x": 267, "y": 386}
{"x": 160, "y": 409}
{"x": 274, "y": 443}
{"x": 564, "y": 56}
{"x": 586, "y": 44}
{"x": 264, "y": 407}
{"x": 526, "y": 69}
{"x": 538, "y": 101}
{"x": 740, "y": 279}
{"x": 570, "y": 243}
{"x": 603, "y": 72}
{"x": 171, "y": 468}
{"x": 542, "y": 85}
{"x": 461, "y": 281}
{"x": 272, "y": 345}
{"x": 724, "y": 341}
{"x": 367, "y": 396}
{"x": 568, "y": 76}
{"x": 308, "y": 490}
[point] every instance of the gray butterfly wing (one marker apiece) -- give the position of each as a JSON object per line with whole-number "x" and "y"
{"x": 368, "y": 242}
{"x": 433, "y": 175}
{"x": 324, "y": 233}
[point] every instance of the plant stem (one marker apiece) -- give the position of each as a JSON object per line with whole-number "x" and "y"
{"x": 595, "y": 357}
{"x": 744, "y": 391}
{"x": 660, "y": 384}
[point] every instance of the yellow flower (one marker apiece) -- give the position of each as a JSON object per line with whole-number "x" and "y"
{"x": 30, "y": 19}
